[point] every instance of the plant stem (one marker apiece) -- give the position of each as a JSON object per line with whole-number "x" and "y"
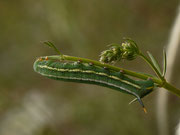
{"x": 97, "y": 63}
{"x": 161, "y": 82}
{"x": 152, "y": 66}
{"x": 171, "y": 88}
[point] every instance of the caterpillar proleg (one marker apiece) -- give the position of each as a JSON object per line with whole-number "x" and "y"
{"x": 82, "y": 72}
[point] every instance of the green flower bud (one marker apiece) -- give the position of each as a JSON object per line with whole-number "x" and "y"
{"x": 130, "y": 50}
{"x": 104, "y": 57}
{"x": 111, "y": 55}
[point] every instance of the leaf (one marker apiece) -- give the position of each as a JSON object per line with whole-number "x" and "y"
{"x": 164, "y": 62}
{"x": 52, "y": 46}
{"x": 155, "y": 63}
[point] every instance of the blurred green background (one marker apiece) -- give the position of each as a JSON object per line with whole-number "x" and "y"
{"x": 32, "y": 104}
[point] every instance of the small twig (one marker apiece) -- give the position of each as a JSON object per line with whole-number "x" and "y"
{"x": 156, "y": 80}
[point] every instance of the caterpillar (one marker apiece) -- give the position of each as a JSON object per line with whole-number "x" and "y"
{"x": 82, "y": 72}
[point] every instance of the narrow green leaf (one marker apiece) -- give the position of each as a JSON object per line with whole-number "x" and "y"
{"x": 155, "y": 63}
{"x": 164, "y": 62}
{"x": 52, "y": 46}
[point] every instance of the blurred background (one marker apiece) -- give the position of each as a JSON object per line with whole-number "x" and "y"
{"x": 31, "y": 104}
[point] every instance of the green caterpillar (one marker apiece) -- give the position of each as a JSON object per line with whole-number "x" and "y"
{"x": 77, "y": 71}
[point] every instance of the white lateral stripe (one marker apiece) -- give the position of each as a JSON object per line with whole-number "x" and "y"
{"x": 89, "y": 71}
{"x": 92, "y": 80}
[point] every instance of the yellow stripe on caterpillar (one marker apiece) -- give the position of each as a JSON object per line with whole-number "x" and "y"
{"x": 89, "y": 71}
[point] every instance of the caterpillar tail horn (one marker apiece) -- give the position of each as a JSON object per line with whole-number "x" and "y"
{"x": 140, "y": 101}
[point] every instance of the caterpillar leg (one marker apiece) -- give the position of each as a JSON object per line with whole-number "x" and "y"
{"x": 134, "y": 100}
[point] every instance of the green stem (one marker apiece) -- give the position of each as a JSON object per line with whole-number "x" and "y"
{"x": 156, "y": 80}
{"x": 164, "y": 83}
{"x": 97, "y": 63}
{"x": 152, "y": 66}
{"x": 171, "y": 88}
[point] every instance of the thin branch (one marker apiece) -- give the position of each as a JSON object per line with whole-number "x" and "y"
{"x": 156, "y": 80}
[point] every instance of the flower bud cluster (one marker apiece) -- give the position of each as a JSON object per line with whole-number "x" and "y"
{"x": 127, "y": 50}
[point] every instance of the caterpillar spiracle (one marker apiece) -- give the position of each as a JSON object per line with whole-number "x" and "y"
{"x": 81, "y": 72}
